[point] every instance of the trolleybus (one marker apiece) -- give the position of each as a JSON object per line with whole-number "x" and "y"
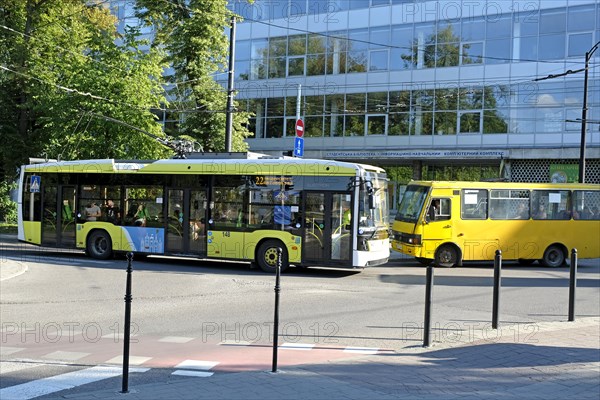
{"x": 234, "y": 206}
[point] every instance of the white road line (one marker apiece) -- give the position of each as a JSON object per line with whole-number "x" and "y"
{"x": 175, "y": 339}
{"x": 234, "y": 343}
{"x": 296, "y": 346}
{"x": 7, "y": 350}
{"x": 197, "y": 364}
{"x": 361, "y": 350}
{"x": 66, "y": 355}
{"x": 6, "y": 367}
{"x": 53, "y": 384}
{"x": 133, "y": 360}
{"x": 197, "y": 374}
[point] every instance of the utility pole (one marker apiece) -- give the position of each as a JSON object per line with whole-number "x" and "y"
{"x": 588, "y": 56}
{"x": 229, "y": 118}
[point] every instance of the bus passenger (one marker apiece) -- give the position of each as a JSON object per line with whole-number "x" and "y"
{"x": 522, "y": 211}
{"x": 113, "y": 214}
{"x": 141, "y": 216}
{"x": 92, "y": 212}
{"x": 541, "y": 213}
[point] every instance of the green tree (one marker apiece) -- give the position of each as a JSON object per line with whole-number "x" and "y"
{"x": 193, "y": 34}
{"x": 66, "y": 72}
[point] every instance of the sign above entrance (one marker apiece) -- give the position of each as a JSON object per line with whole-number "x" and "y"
{"x": 419, "y": 154}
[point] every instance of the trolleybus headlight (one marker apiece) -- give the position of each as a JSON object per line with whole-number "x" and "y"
{"x": 361, "y": 231}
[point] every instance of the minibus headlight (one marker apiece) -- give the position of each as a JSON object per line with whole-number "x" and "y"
{"x": 411, "y": 239}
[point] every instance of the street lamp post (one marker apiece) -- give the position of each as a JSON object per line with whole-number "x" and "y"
{"x": 588, "y": 56}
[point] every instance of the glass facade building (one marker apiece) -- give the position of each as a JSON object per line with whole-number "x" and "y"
{"x": 401, "y": 82}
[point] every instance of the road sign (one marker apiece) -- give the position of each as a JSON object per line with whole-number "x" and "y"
{"x": 35, "y": 183}
{"x": 299, "y": 128}
{"x": 299, "y": 147}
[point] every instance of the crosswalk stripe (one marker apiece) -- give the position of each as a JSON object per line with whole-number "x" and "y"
{"x": 52, "y": 384}
{"x": 197, "y": 364}
{"x": 6, "y": 367}
{"x": 296, "y": 346}
{"x": 175, "y": 339}
{"x": 197, "y": 374}
{"x": 361, "y": 350}
{"x": 7, "y": 350}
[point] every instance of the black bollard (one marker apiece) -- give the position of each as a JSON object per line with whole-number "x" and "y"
{"x": 428, "y": 299}
{"x": 572, "y": 285}
{"x": 126, "y": 328}
{"x": 276, "y": 318}
{"x": 497, "y": 283}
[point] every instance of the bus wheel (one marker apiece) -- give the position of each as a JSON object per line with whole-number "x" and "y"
{"x": 267, "y": 256}
{"x": 99, "y": 245}
{"x": 446, "y": 256}
{"x": 553, "y": 257}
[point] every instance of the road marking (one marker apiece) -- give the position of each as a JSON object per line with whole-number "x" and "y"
{"x": 234, "y": 343}
{"x": 117, "y": 336}
{"x": 7, "y": 350}
{"x": 197, "y": 374}
{"x": 297, "y": 346}
{"x": 66, "y": 355}
{"x": 361, "y": 350}
{"x": 53, "y": 384}
{"x": 197, "y": 364}
{"x": 133, "y": 360}
{"x": 6, "y": 367}
{"x": 176, "y": 339}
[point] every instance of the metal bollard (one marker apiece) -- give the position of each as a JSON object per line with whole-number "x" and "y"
{"x": 497, "y": 283}
{"x": 276, "y": 317}
{"x": 572, "y": 285}
{"x": 127, "y": 327}
{"x": 428, "y": 299}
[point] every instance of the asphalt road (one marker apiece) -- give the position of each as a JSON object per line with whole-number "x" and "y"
{"x": 68, "y": 302}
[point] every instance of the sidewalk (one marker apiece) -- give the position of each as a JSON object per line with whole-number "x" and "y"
{"x": 553, "y": 360}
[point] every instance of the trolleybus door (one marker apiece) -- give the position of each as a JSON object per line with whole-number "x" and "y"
{"x": 327, "y": 236}
{"x": 58, "y": 222}
{"x": 186, "y": 217}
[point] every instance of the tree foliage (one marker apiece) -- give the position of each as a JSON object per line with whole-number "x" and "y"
{"x": 65, "y": 69}
{"x": 194, "y": 36}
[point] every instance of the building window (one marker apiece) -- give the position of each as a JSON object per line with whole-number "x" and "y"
{"x": 295, "y": 66}
{"x": 378, "y": 60}
{"x": 445, "y": 123}
{"x": 579, "y": 44}
{"x": 376, "y": 124}
{"x": 472, "y": 53}
{"x": 470, "y": 122}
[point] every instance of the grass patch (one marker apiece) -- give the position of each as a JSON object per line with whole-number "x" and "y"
{"x": 8, "y": 228}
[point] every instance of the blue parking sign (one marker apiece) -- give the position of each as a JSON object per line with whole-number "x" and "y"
{"x": 35, "y": 183}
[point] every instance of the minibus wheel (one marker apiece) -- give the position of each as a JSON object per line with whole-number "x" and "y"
{"x": 554, "y": 256}
{"x": 266, "y": 256}
{"x": 446, "y": 256}
{"x": 99, "y": 245}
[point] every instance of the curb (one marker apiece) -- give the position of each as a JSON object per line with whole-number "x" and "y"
{"x": 11, "y": 269}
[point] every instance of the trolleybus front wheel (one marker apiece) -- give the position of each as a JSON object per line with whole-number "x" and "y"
{"x": 266, "y": 256}
{"x": 99, "y": 245}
